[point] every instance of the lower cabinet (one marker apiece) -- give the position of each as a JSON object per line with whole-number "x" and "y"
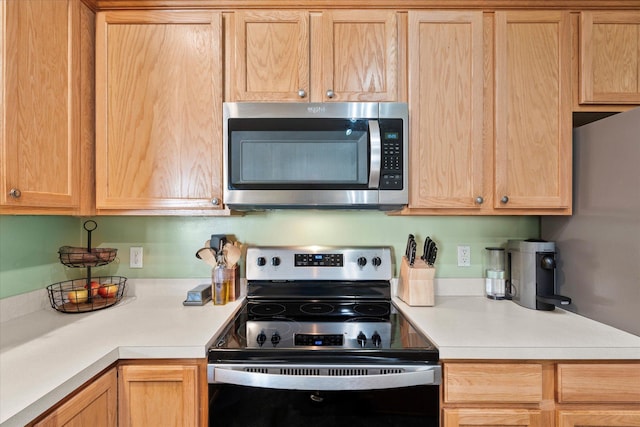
{"x": 541, "y": 393}
{"x": 155, "y": 394}
{"x": 491, "y": 417}
{"x": 599, "y": 418}
{"x": 95, "y": 405}
{"x": 168, "y": 392}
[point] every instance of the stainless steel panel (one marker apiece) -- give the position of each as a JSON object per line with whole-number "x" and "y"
{"x": 599, "y": 246}
{"x": 324, "y": 377}
{"x": 286, "y": 269}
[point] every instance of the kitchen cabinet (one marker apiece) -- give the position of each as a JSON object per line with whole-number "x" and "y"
{"x": 162, "y": 393}
{"x": 490, "y": 104}
{"x": 500, "y": 393}
{"x": 491, "y": 417}
{"x": 545, "y": 393}
{"x": 609, "y": 57}
{"x": 158, "y": 109}
{"x": 46, "y": 100}
{"x": 533, "y": 116}
{"x": 592, "y": 394}
{"x": 296, "y": 55}
{"x": 446, "y": 77}
{"x": 95, "y": 405}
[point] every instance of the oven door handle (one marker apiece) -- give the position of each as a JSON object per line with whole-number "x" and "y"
{"x": 429, "y": 375}
{"x": 376, "y": 154}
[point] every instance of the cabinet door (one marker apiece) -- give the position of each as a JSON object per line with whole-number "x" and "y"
{"x": 158, "y": 124}
{"x": 533, "y": 110}
{"x": 93, "y": 406}
{"x": 491, "y": 417}
{"x": 271, "y": 56}
{"x": 40, "y": 141}
{"x": 446, "y": 104}
{"x": 155, "y": 395}
{"x": 598, "y": 418}
{"x": 359, "y": 56}
{"x": 610, "y": 57}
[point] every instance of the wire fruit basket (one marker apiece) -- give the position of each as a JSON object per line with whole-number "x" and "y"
{"x": 86, "y": 257}
{"x": 89, "y": 293}
{"x": 74, "y": 296}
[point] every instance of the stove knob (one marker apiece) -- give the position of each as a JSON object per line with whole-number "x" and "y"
{"x": 261, "y": 338}
{"x": 376, "y": 261}
{"x": 362, "y": 339}
{"x": 376, "y": 339}
{"x": 262, "y": 261}
{"x": 275, "y": 261}
{"x": 362, "y": 261}
{"x": 275, "y": 339}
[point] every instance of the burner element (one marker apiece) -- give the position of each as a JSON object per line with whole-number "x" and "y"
{"x": 316, "y": 308}
{"x": 377, "y": 310}
{"x": 267, "y": 309}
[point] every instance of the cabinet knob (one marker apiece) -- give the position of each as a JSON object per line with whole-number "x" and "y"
{"x": 504, "y": 199}
{"x": 302, "y": 93}
{"x": 479, "y": 200}
{"x": 15, "y": 193}
{"x": 215, "y": 201}
{"x": 330, "y": 94}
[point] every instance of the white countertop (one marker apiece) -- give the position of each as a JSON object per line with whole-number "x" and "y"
{"x": 475, "y": 327}
{"x": 45, "y": 355}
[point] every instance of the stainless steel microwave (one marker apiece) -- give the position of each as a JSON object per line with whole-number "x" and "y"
{"x": 348, "y": 155}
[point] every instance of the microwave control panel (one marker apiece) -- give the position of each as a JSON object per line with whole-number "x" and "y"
{"x": 392, "y": 155}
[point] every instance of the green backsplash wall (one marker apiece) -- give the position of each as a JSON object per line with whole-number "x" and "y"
{"x": 29, "y": 244}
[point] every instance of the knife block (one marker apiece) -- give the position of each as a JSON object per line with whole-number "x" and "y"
{"x": 415, "y": 286}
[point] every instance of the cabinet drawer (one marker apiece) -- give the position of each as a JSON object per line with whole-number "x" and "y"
{"x": 493, "y": 382}
{"x": 599, "y": 383}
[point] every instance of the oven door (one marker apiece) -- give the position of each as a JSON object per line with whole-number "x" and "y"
{"x": 317, "y": 395}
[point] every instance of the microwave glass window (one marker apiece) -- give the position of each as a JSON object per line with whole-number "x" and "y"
{"x": 285, "y": 159}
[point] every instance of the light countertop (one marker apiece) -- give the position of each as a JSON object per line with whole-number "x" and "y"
{"x": 45, "y": 355}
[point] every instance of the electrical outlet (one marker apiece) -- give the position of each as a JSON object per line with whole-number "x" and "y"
{"x": 135, "y": 257}
{"x": 464, "y": 256}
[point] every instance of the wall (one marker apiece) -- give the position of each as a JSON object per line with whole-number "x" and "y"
{"x": 29, "y": 245}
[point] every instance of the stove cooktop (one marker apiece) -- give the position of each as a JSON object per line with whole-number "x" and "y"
{"x": 249, "y": 337}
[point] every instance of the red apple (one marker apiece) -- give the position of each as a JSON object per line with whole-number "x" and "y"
{"x": 108, "y": 290}
{"x": 94, "y": 288}
{"x": 78, "y": 296}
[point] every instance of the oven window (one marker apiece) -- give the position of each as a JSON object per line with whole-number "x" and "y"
{"x": 238, "y": 406}
{"x": 288, "y": 153}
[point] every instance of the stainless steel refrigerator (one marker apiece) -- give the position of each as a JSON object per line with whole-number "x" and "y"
{"x": 599, "y": 246}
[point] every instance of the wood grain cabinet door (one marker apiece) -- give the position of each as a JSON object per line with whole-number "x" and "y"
{"x": 610, "y": 57}
{"x": 533, "y": 110}
{"x": 39, "y": 115}
{"x": 94, "y": 405}
{"x": 598, "y": 418}
{"x": 271, "y": 61}
{"x": 158, "y": 107}
{"x": 359, "y": 56}
{"x": 492, "y": 418}
{"x": 158, "y": 395}
{"x": 446, "y": 105}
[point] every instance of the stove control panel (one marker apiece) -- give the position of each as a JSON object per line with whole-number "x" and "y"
{"x": 319, "y": 263}
{"x": 318, "y": 335}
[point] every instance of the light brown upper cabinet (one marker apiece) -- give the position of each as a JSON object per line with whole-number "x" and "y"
{"x": 41, "y": 112}
{"x": 532, "y": 111}
{"x": 446, "y": 80}
{"x": 302, "y": 56}
{"x": 158, "y": 107}
{"x": 610, "y": 57}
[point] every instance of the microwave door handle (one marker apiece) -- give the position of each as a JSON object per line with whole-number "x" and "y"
{"x": 376, "y": 154}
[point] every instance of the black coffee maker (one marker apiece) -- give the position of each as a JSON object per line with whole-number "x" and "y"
{"x": 531, "y": 267}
